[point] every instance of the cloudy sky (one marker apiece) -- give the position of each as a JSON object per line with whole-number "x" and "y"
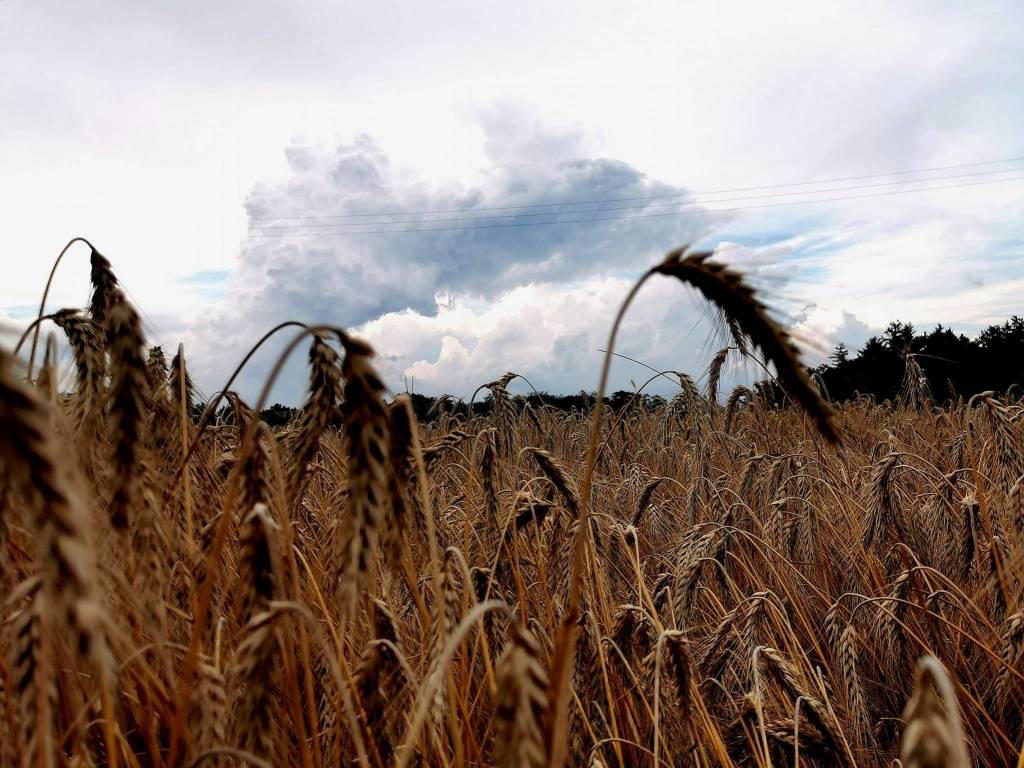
{"x": 235, "y": 161}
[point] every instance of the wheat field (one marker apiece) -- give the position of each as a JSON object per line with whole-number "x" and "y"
{"x": 710, "y": 582}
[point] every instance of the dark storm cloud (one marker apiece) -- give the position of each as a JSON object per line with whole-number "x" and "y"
{"x": 357, "y": 276}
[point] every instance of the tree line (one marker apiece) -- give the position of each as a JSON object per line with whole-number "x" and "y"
{"x": 943, "y": 364}
{"x": 938, "y": 365}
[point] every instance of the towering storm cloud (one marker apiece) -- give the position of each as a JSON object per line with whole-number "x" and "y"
{"x": 334, "y": 242}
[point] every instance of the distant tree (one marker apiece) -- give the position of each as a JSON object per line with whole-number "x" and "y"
{"x": 421, "y": 405}
{"x": 899, "y": 336}
{"x": 620, "y": 399}
{"x": 840, "y": 355}
{"x": 277, "y": 415}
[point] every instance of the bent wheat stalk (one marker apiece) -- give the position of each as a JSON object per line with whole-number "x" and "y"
{"x": 738, "y": 303}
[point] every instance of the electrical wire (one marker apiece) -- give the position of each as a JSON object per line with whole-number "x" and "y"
{"x": 649, "y": 197}
{"x": 700, "y": 211}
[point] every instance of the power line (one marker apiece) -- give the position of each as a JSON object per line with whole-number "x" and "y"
{"x": 650, "y": 197}
{"x": 284, "y": 228}
{"x": 303, "y": 233}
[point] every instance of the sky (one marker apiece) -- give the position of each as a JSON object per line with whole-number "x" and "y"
{"x": 233, "y": 161}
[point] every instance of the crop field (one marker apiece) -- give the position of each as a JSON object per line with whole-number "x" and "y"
{"x": 761, "y": 577}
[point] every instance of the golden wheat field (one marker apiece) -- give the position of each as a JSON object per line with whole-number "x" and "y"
{"x": 697, "y": 584}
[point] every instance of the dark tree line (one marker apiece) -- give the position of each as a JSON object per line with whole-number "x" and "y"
{"x": 951, "y": 364}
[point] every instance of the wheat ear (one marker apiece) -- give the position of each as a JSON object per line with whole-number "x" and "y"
{"x": 933, "y": 735}
{"x": 324, "y": 393}
{"x": 32, "y": 454}
{"x": 367, "y": 432}
{"x": 521, "y": 706}
{"x": 127, "y": 406}
{"x": 729, "y": 292}
{"x": 90, "y": 363}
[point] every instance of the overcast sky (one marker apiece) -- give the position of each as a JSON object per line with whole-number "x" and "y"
{"x": 171, "y": 134}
